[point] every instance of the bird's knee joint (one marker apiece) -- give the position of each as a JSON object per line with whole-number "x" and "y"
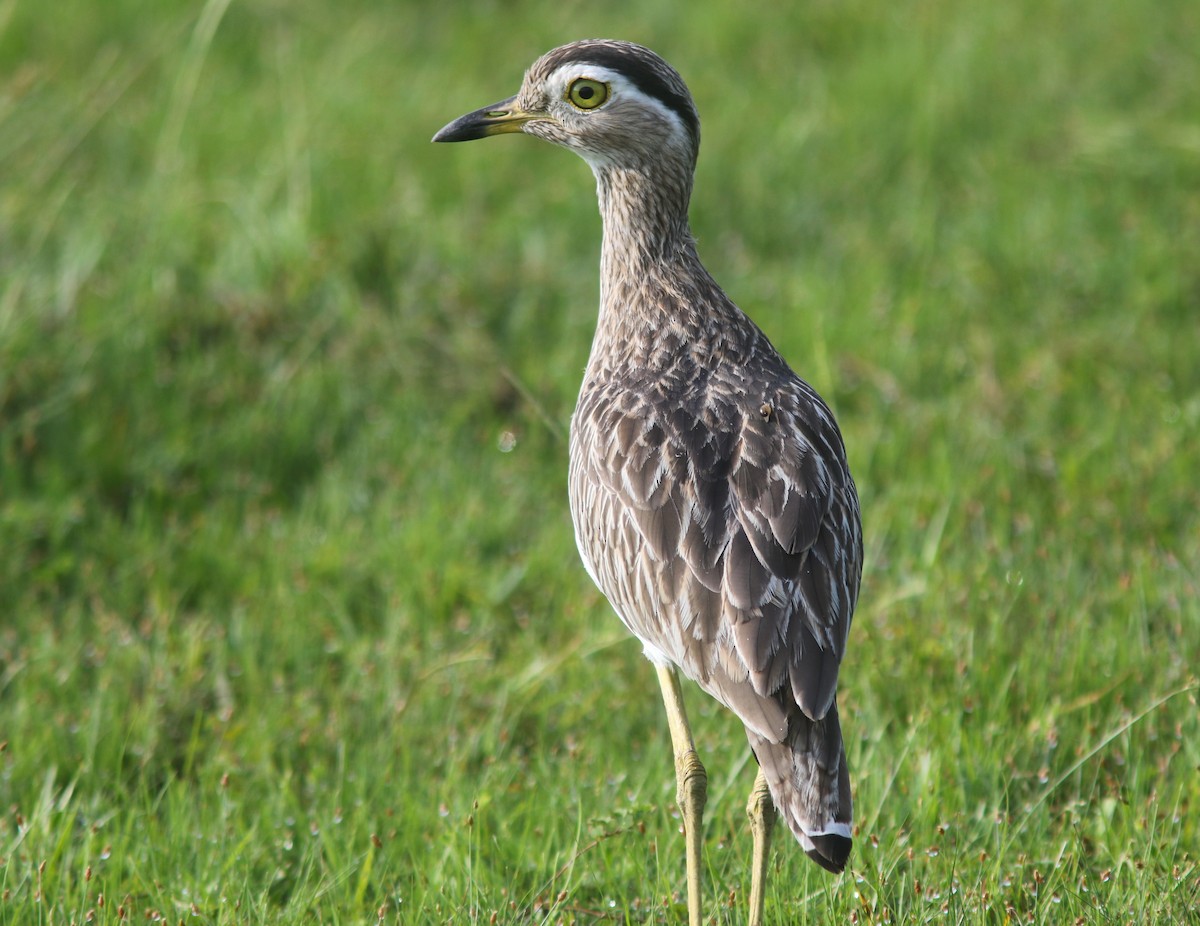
{"x": 693, "y": 783}
{"x": 760, "y": 808}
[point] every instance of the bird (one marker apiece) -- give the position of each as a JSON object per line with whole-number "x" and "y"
{"x": 709, "y": 488}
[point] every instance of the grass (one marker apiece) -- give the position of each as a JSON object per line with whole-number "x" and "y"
{"x": 291, "y": 624}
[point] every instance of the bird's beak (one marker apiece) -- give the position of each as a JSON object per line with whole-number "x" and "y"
{"x": 496, "y": 119}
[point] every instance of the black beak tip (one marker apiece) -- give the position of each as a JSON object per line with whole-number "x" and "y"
{"x": 449, "y": 132}
{"x": 466, "y": 128}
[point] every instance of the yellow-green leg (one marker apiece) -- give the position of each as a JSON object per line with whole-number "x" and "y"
{"x": 692, "y": 786}
{"x": 761, "y": 811}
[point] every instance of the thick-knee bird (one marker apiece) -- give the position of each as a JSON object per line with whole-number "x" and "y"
{"x": 709, "y": 488}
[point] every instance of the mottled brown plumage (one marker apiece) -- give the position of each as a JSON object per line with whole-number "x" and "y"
{"x": 709, "y": 488}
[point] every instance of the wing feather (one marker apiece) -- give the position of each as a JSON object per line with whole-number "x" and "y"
{"x": 743, "y": 530}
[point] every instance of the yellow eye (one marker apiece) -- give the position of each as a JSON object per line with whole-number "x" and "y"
{"x": 586, "y": 93}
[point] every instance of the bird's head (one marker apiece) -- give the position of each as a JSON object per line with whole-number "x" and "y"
{"x": 616, "y": 104}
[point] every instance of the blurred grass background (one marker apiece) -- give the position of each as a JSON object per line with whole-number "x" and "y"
{"x": 291, "y": 623}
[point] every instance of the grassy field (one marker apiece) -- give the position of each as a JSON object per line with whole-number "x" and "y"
{"x": 291, "y": 624}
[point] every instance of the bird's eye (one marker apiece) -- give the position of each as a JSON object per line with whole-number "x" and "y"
{"x": 585, "y": 93}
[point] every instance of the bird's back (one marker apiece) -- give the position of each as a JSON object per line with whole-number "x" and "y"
{"x": 714, "y": 508}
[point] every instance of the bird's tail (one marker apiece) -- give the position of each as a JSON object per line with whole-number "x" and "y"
{"x": 810, "y": 784}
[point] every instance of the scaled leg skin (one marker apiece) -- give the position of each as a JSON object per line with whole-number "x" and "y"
{"x": 761, "y": 811}
{"x": 692, "y": 782}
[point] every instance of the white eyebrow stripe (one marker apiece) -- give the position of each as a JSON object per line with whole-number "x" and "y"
{"x": 620, "y": 86}
{"x": 576, "y": 69}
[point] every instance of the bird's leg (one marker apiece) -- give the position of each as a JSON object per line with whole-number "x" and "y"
{"x": 761, "y": 811}
{"x": 692, "y": 782}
